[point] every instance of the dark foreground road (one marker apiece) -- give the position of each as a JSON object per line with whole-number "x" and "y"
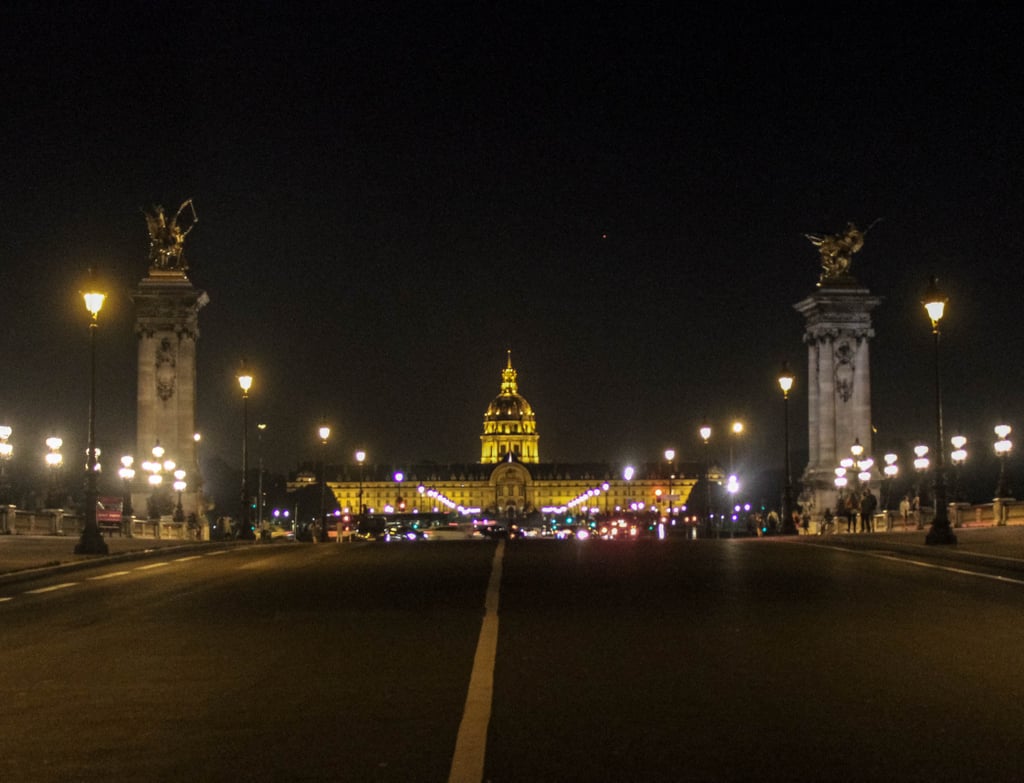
{"x": 707, "y": 660}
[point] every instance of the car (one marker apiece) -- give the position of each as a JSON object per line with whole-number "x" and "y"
{"x": 450, "y": 533}
{"x": 404, "y": 533}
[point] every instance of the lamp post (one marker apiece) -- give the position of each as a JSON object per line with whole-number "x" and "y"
{"x": 245, "y": 383}
{"x": 127, "y": 473}
{"x": 179, "y": 487}
{"x": 399, "y": 478}
{"x": 1002, "y": 447}
{"x": 324, "y": 432}
{"x": 786, "y": 383}
{"x": 54, "y": 460}
{"x": 958, "y": 456}
{"x": 890, "y": 472}
{"x": 360, "y": 459}
{"x": 737, "y": 430}
{"x": 91, "y": 542}
{"x": 670, "y": 458}
{"x": 940, "y": 532}
{"x": 705, "y": 435}
{"x": 259, "y": 480}
{"x": 627, "y": 474}
{"x": 921, "y": 463}
{"x": 6, "y": 452}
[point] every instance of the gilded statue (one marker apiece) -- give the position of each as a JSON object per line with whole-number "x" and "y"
{"x": 167, "y": 238}
{"x": 837, "y": 251}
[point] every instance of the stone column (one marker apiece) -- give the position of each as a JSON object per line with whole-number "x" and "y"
{"x": 167, "y": 325}
{"x": 837, "y": 334}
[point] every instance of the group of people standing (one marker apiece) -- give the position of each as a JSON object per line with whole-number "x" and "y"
{"x": 856, "y": 511}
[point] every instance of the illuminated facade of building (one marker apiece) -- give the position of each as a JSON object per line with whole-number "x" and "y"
{"x": 510, "y": 483}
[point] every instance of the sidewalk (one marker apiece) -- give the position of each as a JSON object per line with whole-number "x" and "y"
{"x": 20, "y": 554}
{"x": 995, "y": 546}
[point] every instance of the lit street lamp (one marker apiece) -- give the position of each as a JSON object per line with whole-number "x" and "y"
{"x": 958, "y": 456}
{"x": 6, "y": 452}
{"x": 127, "y": 473}
{"x": 891, "y": 470}
{"x": 786, "y": 383}
{"x": 1002, "y": 447}
{"x": 670, "y": 458}
{"x": 921, "y": 463}
{"x": 54, "y": 460}
{"x": 91, "y": 542}
{"x": 179, "y": 487}
{"x": 705, "y": 435}
{"x": 627, "y": 474}
{"x": 259, "y": 480}
{"x": 324, "y": 432}
{"x": 245, "y": 383}
{"x": 940, "y": 532}
{"x": 360, "y": 459}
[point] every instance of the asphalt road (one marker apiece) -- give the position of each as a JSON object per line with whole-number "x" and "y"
{"x": 701, "y": 660}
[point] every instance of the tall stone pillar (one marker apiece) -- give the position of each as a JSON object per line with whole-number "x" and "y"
{"x": 167, "y": 326}
{"x": 838, "y": 332}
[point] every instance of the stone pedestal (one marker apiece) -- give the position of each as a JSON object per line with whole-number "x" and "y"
{"x": 167, "y": 325}
{"x": 837, "y": 334}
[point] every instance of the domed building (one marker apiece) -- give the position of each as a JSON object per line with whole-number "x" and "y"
{"x": 510, "y": 429}
{"x": 510, "y": 484}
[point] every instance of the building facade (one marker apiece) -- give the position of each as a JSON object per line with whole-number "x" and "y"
{"x": 510, "y": 483}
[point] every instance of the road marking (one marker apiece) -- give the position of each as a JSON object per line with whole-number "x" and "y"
{"x": 951, "y": 569}
{"x": 471, "y": 742}
{"x": 186, "y": 559}
{"x": 108, "y": 576}
{"x": 161, "y": 564}
{"x": 51, "y": 588}
{"x": 218, "y": 552}
{"x": 6, "y": 598}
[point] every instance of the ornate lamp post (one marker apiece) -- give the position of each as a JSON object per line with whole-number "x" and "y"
{"x": 91, "y": 542}
{"x": 786, "y": 383}
{"x": 737, "y": 431}
{"x": 941, "y": 532}
{"x": 399, "y": 503}
{"x": 958, "y": 456}
{"x": 245, "y": 383}
{"x": 259, "y": 480}
{"x": 6, "y": 452}
{"x": 127, "y": 473}
{"x": 705, "y": 435}
{"x": 670, "y": 458}
{"x": 921, "y": 463}
{"x": 324, "y": 432}
{"x": 54, "y": 460}
{"x": 360, "y": 459}
{"x": 1002, "y": 447}
{"x": 179, "y": 487}
{"x": 627, "y": 474}
{"x": 891, "y": 470}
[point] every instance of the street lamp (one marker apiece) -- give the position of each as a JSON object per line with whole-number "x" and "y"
{"x": 127, "y": 473}
{"x": 940, "y": 532}
{"x": 705, "y": 434}
{"x": 786, "y": 383}
{"x": 91, "y": 542}
{"x": 958, "y": 456}
{"x": 737, "y": 430}
{"x": 245, "y": 383}
{"x": 399, "y": 478}
{"x": 890, "y": 471}
{"x": 179, "y": 487}
{"x": 1002, "y": 447}
{"x": 604, "y": 488}
{"x": 921, "y": 463}
{"x": 627, "y": 474}
{"x": 360, "y": 459}
{"x": 670, "y": 458}
{"x": 324, "y": 432}
{"x": 259, "y": 480}
{"x": 6, "y": 452}
{"x": 54, "y": 459}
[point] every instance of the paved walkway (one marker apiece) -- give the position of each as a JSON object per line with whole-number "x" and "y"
{"x": 19, "y": 554}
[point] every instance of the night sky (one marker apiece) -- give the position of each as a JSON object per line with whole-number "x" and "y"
{"x": 388, "y": 201}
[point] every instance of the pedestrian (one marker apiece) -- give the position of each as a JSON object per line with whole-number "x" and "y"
{"x": 868, "y": 504}
{"x": 850, "y": 512}
{"x": 827, "y": 520}
{"x": 905, "y": 510}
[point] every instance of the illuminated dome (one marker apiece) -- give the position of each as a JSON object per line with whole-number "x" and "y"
{"x": 510, "y": 431}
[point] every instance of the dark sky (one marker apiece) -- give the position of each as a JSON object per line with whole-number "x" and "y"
{"x": 389, "y": 200}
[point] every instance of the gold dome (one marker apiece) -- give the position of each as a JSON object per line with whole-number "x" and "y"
{"x": 510, "y": 431}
